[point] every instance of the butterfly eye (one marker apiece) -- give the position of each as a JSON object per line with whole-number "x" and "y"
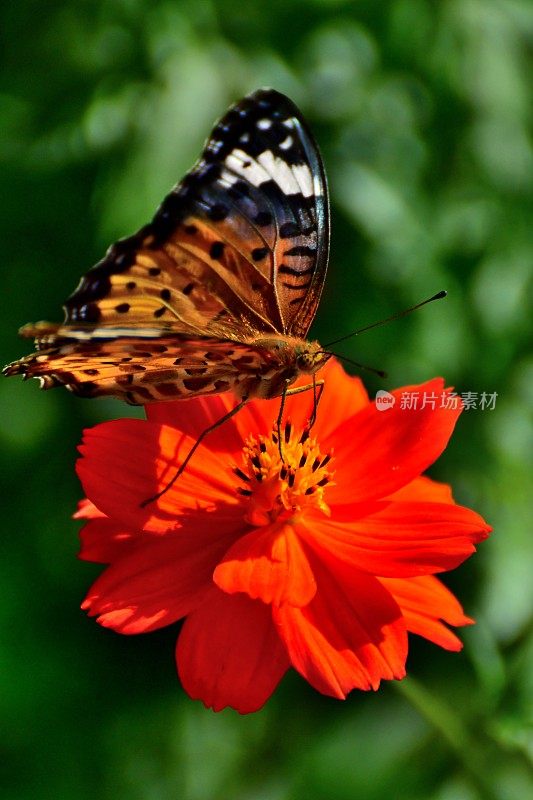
{"x": 312, "y": 358}
{"x": 306, "y": 362}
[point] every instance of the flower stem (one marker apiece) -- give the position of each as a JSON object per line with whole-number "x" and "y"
{"x": 453, "y": 730}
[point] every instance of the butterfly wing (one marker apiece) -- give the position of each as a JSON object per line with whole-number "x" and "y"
{"x": 275, "y": 174}
{"x": 240, "y": 246}
{"x": 237, "y": 250}
{"x": 140, "y": 371}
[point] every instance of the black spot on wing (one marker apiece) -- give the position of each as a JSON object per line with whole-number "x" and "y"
{"x": 289, "y": 230}
{"x": 259, "y": 253}
{"x": 216, "y": 250}
{"x": 296, "y": 285}
{"x": 238, "y": 190}
{"x": 284, "y": 269}
{"x": 196, "y": 384}
{"x": 217, "y": 212}
{"x": 301, "y": 250}
{"x": 172, "y": 210}
{"x": 263, "y": 219}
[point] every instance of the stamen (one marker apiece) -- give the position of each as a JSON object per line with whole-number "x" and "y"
{"x": 282, "y": 486}
{"x": 240, "y": 474}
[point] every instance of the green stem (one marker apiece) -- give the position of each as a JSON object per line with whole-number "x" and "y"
{"x": 453, "y": 730}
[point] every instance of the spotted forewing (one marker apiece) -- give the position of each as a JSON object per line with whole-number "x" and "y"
{"x": 221, "y": 284}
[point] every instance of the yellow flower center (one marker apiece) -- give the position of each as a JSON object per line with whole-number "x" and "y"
{"x": 283, "y": 483}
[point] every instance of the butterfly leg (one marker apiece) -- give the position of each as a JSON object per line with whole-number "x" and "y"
{"x": 298, "y": 390}
{"x": 284, "y": 394}
{"x": 306, "y": 388}
{"x": 191, "y": 452}
{"x": 316, "y": 400}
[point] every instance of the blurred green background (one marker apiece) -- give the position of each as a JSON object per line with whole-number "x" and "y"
{"x": 421, "y": 111}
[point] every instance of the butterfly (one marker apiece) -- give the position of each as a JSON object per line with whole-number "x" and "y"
{"x": 218, "y": 291}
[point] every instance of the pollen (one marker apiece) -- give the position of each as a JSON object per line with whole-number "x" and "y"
{"x": 281, "y": 482}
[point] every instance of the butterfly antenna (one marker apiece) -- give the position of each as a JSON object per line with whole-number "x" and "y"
{"x": 379, "y": 372}
{"x": 437, "y": 296}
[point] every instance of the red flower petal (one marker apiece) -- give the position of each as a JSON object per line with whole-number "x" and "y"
{"x": 229, "y": 653}
{"x": 343, "y": 396}
{"x": 425, "y": 601}
{"x": 127, "y": 461}
{"x": 194, "y": 416}
{"x": 103, "y": 540}
{"x": 86, "y": 510}
{"x": 268, "y": 564}
{"x": 344, "y": 627}
{"x": 159, "y": 581}
{"x": 397, "y": 539}
{"x": 424, "y": 490}
{"x": 351, "y": 635}
{"x": 379, "y": 452}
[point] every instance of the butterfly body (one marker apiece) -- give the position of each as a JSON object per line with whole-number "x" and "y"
{"x": 262, "y": 368}
{"x": 218, "y": 291}
{"x": 281, "y": 361}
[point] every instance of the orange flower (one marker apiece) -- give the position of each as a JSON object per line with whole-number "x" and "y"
{"x": 322, "y": 561}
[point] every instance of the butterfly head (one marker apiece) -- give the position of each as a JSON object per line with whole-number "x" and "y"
{"x": 310, "y": 357}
